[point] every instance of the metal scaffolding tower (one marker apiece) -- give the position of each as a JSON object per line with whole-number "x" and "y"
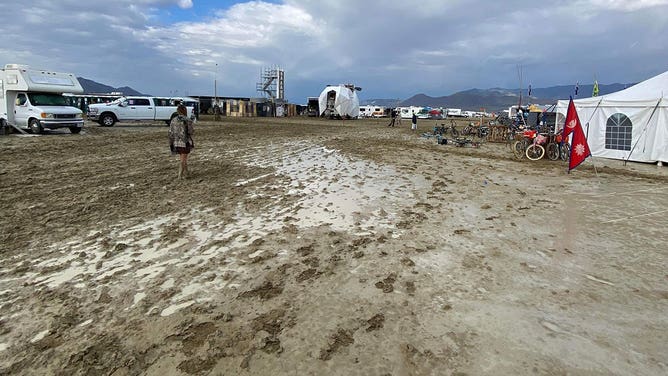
{"x": 272, "y": 83}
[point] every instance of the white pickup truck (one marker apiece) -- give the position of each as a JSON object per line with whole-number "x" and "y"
{"x": 137, "y": 109}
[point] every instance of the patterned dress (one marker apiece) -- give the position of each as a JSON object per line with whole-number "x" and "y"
{"x": 180, "y": 135}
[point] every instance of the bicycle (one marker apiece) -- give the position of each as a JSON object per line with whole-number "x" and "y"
{"x": 565, "y": 150}
{"x": 518, "y": 147}
{"x": 453, "y": 131}
{"x": 558, "y": 148}
{"x": 535, "y": 150}
{"x": 552, "y": 148}
{"x": 468, "y": 130}
{"x": 482, "y": 131}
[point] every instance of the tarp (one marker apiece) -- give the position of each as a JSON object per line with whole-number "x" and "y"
{"x": 346, "y": 102}
{"x": 631, "y": 124}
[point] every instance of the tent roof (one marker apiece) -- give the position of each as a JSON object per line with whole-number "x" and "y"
{"x": 655, "y": 87}
{"x": 644, "y": 93}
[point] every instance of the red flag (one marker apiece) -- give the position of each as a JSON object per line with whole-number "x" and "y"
{"x": 579, "y": 147}
{"x": 571, "y": 119}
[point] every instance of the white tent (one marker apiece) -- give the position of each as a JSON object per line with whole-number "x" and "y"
{"x": 339, "y": 100}
{"x": 631, "y": 124}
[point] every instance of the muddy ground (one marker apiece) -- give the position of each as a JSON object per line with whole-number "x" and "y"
{"x": 315, "y": 247}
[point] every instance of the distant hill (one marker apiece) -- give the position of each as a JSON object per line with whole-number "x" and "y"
{"x": 497, "y": 99}
{"x": 92, "y": 87}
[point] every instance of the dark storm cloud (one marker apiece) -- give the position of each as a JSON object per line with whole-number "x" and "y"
{"x": 391, "y": 48}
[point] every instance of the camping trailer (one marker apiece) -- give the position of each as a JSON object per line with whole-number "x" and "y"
{"x": 454, "y": 112}
{"x": 32, "y": 99}
{"x": 407, "y": 112}
{"x": 366, "y": 111}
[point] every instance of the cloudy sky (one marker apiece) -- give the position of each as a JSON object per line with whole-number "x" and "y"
{"x": 391, "y": 48}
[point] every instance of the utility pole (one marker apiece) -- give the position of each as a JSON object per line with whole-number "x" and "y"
{"x": 216, "y": 106}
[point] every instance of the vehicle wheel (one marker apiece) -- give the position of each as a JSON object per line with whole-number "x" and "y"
{"x": 519, "y": 148}
{"x": 35, "y": 126}
{"x": 552, "y": 151}
{"x": 535, "y": 152}
{"x": 75, "y": 130}
{"x": 107, "y": 120}
{"x": 455, "y": 132}
{"x": 565, "y": 151}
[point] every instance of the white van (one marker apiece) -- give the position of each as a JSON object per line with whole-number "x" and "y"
{"x": 32, "y": 99}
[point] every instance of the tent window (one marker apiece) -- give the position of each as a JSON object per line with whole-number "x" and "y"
{"x": 618, "y": 132}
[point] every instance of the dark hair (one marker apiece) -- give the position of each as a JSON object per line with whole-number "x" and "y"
{"x": 182, "y": 110}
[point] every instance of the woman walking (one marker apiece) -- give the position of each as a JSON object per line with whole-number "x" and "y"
{"x": 181, "y": 138}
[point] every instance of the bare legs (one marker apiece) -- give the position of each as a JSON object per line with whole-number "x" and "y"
{"x": 183, "y": 167}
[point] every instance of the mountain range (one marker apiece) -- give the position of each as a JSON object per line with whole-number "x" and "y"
{"x": 496, "y": 99}
{"x": 92, "y": 87}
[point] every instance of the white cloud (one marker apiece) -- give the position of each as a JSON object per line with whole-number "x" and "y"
{"x": 185, "y": 4}
{"x": 626, "y": 5}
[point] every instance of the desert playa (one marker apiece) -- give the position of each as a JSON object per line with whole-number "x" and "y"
{"x": 314, "y": 247}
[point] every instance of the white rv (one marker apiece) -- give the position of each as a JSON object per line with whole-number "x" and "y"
{"x": 366, "y": 111}
{"x": 407, "y": 112}
{"x": 32, "y": 99}
{"x": 454, "y": 112}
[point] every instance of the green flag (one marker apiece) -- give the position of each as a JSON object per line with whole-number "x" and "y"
{"x": 595, "y": 92}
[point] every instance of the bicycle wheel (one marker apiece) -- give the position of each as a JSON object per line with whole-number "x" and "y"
{"x": 535, "y": 152}
{"x": 455, "y": 132}
{"x": 565, "y": 151}
{"x": 511, "y": 141}
{"x": 552, "y": 151}
{"x": 519, "y": 148}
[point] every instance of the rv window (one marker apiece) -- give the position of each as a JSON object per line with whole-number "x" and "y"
{"x": 46, "y": 99}
{"x": 21, "y": 100}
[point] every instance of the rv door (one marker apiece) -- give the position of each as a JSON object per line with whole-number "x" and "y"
{"x": 22, "y": 110}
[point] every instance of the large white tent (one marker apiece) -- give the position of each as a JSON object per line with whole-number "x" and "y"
{"x": 339, "y": 100}
{"x": 631, "y": 124}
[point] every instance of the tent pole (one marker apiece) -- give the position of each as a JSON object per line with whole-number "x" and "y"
{"x": 643, "y": 131}
{"x": 591, "y": 117}
{"x": 587, "y": 137}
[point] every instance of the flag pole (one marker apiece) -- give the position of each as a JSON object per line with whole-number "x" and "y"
{"x": 587, "y": 136}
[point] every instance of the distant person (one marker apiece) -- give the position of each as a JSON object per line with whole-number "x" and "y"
{"x": 181, "y": 138}
{"x": 393, "y": 118}
{"x": 216, "y": 112}
{"x": 414, "y": 121}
